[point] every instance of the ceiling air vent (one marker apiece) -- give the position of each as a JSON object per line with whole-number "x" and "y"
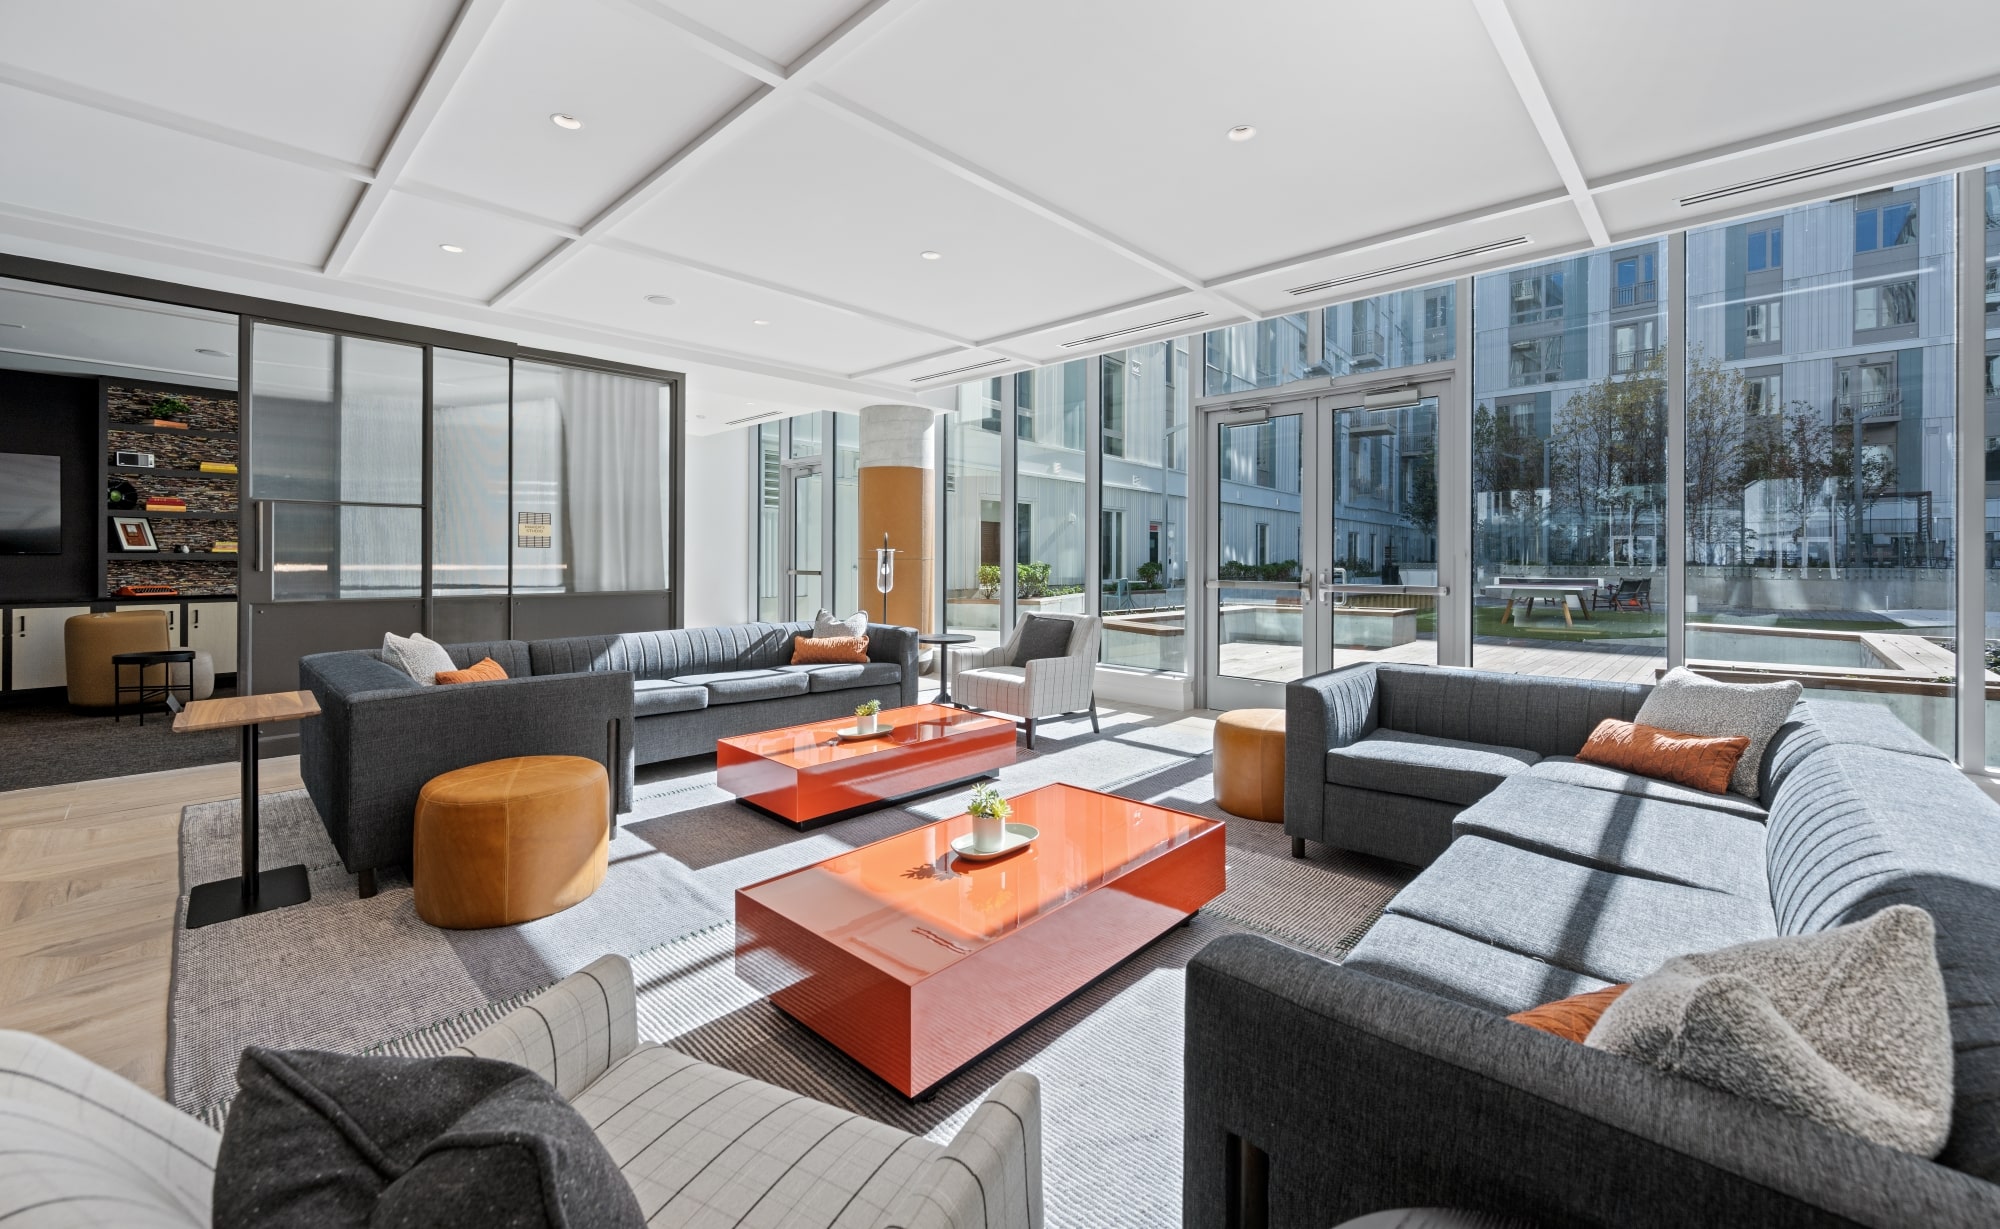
{"x": 956, "y": 371}
{"x": 1137, "y": 328}
{"x": 737, "y": 422}
{"x": 1410, "y": 265}
{"x": 1844, "y": 164}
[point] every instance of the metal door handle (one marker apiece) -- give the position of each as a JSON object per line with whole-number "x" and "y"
{"x": 262, "y": 524}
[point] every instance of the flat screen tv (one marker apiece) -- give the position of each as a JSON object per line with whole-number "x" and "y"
{"x": 30, "y": 504}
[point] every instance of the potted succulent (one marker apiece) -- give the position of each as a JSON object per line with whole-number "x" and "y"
{"x": 989, "y": 813}
{"x": 865, "y": 716}
{"x": 171, "y": 412}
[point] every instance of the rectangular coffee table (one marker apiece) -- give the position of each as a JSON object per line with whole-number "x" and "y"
{"x": 915, "y": 961}
{"x": 806, "y": 776}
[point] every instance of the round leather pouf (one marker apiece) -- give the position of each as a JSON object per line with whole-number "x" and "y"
{"x": 1249, "y": 763}
{"x": 510, "y": 840}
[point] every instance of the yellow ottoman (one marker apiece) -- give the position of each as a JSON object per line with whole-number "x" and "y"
{"x": 511, "y": 840}
{"x": 1249, "y": 763}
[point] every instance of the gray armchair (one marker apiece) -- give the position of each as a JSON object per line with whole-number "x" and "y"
{"x": 986, "y": 678}
{"x": 379, "y": 737}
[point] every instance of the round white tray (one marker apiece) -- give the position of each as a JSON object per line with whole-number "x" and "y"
{"x": 1017, "y": 836}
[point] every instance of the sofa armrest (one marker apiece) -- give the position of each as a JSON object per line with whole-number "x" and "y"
{"x": 1059, "y": 685}
{"x": 961, "y": 657}
{"x": 369, "y": 753}
{"x": 571, "y": 1033}
{"x": 1322, "y": 712}
{"x": 1363, "y": 1094}
{"x": 887, "y": 642}
{"x": 990, "y": 1175}
{"x": 76, "y": 1137}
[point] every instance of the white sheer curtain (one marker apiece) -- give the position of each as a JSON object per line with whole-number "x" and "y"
{"x": 614, "y": 446}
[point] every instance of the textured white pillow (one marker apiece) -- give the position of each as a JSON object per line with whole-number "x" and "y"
{"x": 1848, "y": 1027}
{"x": 826, "y": 627}
{"x": 419, "y": 656}
{"x": 1691, "y": 704}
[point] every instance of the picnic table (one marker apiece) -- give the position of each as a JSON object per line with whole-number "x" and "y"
{"x": 1558, "y": 589}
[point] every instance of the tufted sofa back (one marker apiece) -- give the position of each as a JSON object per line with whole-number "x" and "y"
{"x": 1546, "y": 715}
{"x": 669, "y": 654}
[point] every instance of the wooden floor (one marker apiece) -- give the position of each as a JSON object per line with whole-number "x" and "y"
{"x": 89, "y": 877}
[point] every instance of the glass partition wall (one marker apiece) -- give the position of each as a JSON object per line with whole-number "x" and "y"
{"x": 1782, "y": 393}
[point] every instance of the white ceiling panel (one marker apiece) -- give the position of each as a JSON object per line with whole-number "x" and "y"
{"x": 1169, "y": 315}
{"x": 404, "y": 246}
{"x": 778, "y": 30}
{"x": 810, "y": 200}
{"x": 932, "y": 372}
{"x": 610, "y": 288}
{"x": 330, "y": 78}
{"x": 80, "y": 163}
{"x": 1118, "y": 112}
{"x": 1637, "y": 84}
{"x": 640, "y": 90}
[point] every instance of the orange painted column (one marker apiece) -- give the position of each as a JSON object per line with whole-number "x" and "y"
{"x": 896, "y": 490}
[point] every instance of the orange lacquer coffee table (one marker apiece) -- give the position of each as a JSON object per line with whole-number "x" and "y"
{"x": 806, "y": 776}
{"x": 915, "y": 961}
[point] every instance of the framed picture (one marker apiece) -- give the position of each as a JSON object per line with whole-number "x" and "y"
{"x": 133, "y": 533}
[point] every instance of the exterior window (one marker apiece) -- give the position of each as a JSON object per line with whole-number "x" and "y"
{"x": 1535, "y": 361}
{"x": 1763, "y": 323}
{"x": 1869, "y": 389}
{"x": 1112, "y": 403}
{"x": 1885, "y": 306}
{"x": 1537, "y": 296}
{"x": 1763, "y": 394}
{"x": 1766, "y": 249}
{"x": 1992, "y": 289}
{"x": 1634, "y": 281}
{"x": 1024, "y": 533}
{"x": 1267, "y": 459}
{"x": 1024, "y": 405}
{"x": 1887, "y": 227}
{"x": 1263, "y": 543}
{"x": 1632, "y": 345}
{"x": 1993, "y": 375}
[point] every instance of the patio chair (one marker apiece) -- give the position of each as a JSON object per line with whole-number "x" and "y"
{"x": 986, "y": 679}
{"x": 1609, "y": 597}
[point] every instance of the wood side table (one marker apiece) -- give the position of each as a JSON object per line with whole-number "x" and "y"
{"x": 253, "y": 891}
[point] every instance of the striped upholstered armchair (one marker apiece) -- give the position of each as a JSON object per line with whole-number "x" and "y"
{"x": 1046, "y": 687}
{"x": 80, "y": 1146}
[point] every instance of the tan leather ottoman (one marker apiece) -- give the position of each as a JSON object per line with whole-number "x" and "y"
{"x": 511, "y": 840}
{"x": 89, "y": 640}
{"x": 1249, "y": 763}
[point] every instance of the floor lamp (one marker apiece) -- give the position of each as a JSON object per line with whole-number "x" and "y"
{"x": 885, "y": 574}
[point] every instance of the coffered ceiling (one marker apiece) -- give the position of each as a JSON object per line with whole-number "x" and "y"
{"x": 776, "y": 169}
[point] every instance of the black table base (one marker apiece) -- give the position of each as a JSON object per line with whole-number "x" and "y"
{"x": 252, "y": 891}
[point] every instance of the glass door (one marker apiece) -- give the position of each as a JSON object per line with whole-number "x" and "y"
{"x": 1262, "y": 535}
{"x": 804, "y": 546}
{"x": 1378, "y": 577}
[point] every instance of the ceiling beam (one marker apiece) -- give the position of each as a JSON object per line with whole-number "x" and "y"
{"x": 1506, "y": 39}
{"x": 474, "y": 20}
{"x": 860, "y": 26}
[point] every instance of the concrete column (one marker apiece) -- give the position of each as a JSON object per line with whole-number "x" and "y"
{"x": 896, "y": 488}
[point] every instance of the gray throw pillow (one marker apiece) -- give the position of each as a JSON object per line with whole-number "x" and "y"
{"x": 327, "y": 1139}
{"x": 1848, "y": 1027}
{"x": 1687, "y": 702}
{"x": 1042, "y": 637}
{"x": 826, "y": 627}
{"x": 417, "y": 655}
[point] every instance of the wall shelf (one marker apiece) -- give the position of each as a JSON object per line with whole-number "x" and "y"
{"x": 164, "y": 473}
{"x": 167, "y": 556}
{"x": 175, "y": 516}
{"x": 192, "y": 433}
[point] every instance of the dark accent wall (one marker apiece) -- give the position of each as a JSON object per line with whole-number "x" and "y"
{"x": 55, "y": 414}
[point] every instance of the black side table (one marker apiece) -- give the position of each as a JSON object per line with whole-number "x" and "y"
{"x": 166, "y": 659}
{"x": 944, "y": 640}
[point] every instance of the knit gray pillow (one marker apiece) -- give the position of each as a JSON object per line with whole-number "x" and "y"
{"x": 417, "y": 655}
{"x": 826, "y": 627}
{"x": 1848, "y": 1027}
{"x": 1691, "y": 704}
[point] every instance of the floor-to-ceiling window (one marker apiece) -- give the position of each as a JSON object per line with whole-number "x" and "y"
{"x": 1050, "y": 412}
{"x": 769, "y": 479}
{"x": 1990, "y": 327}
{"x": 1820, "y": 459}
{"x": 1569, "y": 465}
{"x": 1404, "y": 329}
{"x": 1256, "y": 354}
{"x": 1146, "y": 401}
{"x": 974, "y": 517}
{"x": 848, "y": 595}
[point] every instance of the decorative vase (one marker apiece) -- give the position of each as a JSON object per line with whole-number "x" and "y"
{"x": 988, "y": 831}
{"x": 865, "y": 724}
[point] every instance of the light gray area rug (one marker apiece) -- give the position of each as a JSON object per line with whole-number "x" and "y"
{"x": 347, "y": 974}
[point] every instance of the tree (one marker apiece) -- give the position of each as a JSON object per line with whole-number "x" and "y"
{"x": 1609, "y": 454}
{"x": 1507, "y": 468}
{"x": 1793, "y": 451}
{"x": 1717, "y": 403}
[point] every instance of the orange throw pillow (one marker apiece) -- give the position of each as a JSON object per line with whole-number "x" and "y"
{"x": 1668, "y": 755}
{"x": 485, "y": 670}
{"x": 807, "y": 651}
{"x": 1571, "y": 1018}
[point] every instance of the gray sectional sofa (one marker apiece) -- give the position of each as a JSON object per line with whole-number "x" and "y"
{"x": 1319, "y": 1091}
{"x": 635, "y": 698}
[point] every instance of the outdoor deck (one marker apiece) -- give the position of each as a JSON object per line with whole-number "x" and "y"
{"x": 1612, "y": 663}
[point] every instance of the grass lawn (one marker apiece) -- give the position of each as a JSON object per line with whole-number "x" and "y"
{"x": 1547, "y": 624}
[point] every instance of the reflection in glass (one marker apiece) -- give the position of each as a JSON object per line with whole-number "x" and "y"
{"x": 469, "y": 486}
{"x": 770, "y": 566}
{"x": 322, "y": 552}
{"x": 1049, "y": 529}
{"x": 1820, "y": 471}
{"x": 590, "y": 456}
{"x": 972, "y": 519}
{"x": 847, "y": 558}
{"x": 336, "y": 418}
{"x": 1402, "y": 329}
{"x": 1569, "y": 466}
{"x": 1991, "y": 536}
{"x": 1258, "y": 354}
{"x": 1260, "y": 617}
{"x": 1142, "y": 526}
{"x": 808, "y": 578}
{"x": 1384, "y": 528}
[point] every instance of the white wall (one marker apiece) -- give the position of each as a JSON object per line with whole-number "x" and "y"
{"x": 718, "y": 541}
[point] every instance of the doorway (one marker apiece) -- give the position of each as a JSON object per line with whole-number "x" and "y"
{"x": 1323, "y": 520}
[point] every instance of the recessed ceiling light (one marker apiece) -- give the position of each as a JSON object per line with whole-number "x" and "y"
{"x": 760, "y": 322}
{"x": 213, "y": 353}
{"x": 1242, "y": 132}
{"x": 659, "y": 300}
{"x": 570, "y": 122}
{"x": 933, "y": 255}
{"x": 453, "y": 248}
